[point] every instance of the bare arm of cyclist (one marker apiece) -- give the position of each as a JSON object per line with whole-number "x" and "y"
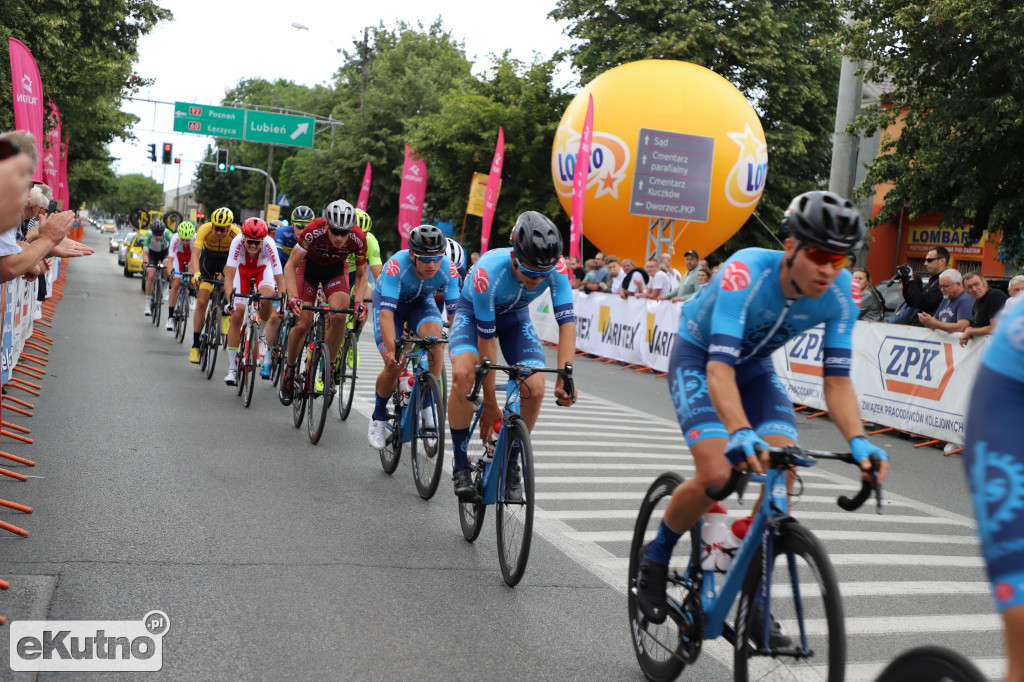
{"x": 488, "y": 348}
{"x": 566, "y": 353}
{"x": 843, "y": 410}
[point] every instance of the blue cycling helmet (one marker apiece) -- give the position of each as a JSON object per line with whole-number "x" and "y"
{"x": 285, "y": 237}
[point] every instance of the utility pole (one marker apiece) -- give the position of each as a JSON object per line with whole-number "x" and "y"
{"x": 843, "y": 175}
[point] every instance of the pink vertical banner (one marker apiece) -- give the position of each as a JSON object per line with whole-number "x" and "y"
{"x": 491, "y": 195}
{"x": 51, "y": 159}
{"x": 62, "y": 182}
{"x": 364, "y": 191}
{"x": 579, "y": 183}
{"x": 411, "y": 194}
{"x": 28, "y": 96}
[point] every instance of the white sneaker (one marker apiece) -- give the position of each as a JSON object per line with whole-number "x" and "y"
{"x": 231, "y": 377}
{"x": 170, "y": 325}
{"x": 427, "y": 418}
{"x": 376, "y": 434}
{"x": 149, "y": 307}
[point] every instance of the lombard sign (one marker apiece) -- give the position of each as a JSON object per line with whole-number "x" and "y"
{"x": 915, "y": 367}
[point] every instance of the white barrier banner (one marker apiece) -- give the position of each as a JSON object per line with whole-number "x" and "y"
{"x": 19, "y": 297}
{"x": 910, "y": 378}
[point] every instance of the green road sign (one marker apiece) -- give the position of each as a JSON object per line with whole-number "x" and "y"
{"x": 208, "y": 120}
{"x": 263, "y": 126}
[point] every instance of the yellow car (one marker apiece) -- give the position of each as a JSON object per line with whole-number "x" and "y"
{"x": 133, "y": 257}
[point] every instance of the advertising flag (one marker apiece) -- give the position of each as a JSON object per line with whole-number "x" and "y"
{"x": 411, "y": 194}
{"x": 579, "y": 183}
{"x": 491, "y": 196}
{"x": 28, "y": 96}
{"x": 477, "y": 193}
{"x": 364, "y": 191}
{"x": 62, "y": 184}
{"x": 51, "y": 159}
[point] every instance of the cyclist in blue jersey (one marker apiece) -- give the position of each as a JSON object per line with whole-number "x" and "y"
{"x": 994, "y": 464}
{"x": 493, "y": 308}
{"x": 729, "y": 402}
{"x": 404, "y": 295}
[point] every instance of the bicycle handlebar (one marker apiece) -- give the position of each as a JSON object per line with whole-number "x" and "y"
{"x": 516, "y": 372}
{"x": 783, "y": 458}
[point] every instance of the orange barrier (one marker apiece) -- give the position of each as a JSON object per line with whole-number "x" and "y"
{"x": 16, "y": 506}
{"x": 19, "y": 460}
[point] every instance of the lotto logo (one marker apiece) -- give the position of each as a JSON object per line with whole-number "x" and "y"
{"x": 562, "y": 267}
{"x": 392, "y": 268}
{"x": 855, "y": 290}
{"x": 454, "y": 271}
{"x": 736, "y": 277}
{"x": 481, "y": 281}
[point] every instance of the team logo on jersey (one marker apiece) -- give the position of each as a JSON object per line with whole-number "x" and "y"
{"x": 481, "y": 280}
{"x": 562, "y": 267}
{"x": 855, "y": 290}
{"x": 392, "y": 268}
{"x": 736, "y": 277}
{"x": 454, "y": 271}
{"x": 1004, "y": 592}
{"x": 694, "y": 434}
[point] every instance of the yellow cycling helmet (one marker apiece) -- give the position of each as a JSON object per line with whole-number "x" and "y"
{"x": 222, "y": 217}
{"x": 363, "y": 220}
{"x": 187, "y": 230}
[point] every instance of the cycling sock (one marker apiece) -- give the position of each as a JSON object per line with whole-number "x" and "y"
{"x": 460, "y": 444}
{"x": 380, "y": 410}
{"x": 660, "y": 550}
{"x": 232, "y": 357}
{"x": 195, "y": 339}
{"x": 170, "y": 311}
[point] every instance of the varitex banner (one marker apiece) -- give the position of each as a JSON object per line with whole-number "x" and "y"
{"x": 910, "y": 378}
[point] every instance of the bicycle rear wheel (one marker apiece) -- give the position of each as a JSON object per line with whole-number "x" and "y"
{"x": 349, "y": 360}
{"x": 299, "y": 385}
{"x": 662, "y": 650}
{"x": 392, "y": 451}
{"x": 249, "y": 352}
{"x": 804, "y": 599}
{"x": 158, "y": 298}
{"x": 321, "y": 388}
{"x": 181, "y": 312}
{"x": 931, "y": 664}
{"x": 240, "y": 367}
{"x": 514, "y": 517}
{"x": 427, "y": 443}
{"x": 212, "y": 340}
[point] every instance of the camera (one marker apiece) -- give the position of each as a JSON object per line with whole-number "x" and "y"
{"x": 903, "y": 272}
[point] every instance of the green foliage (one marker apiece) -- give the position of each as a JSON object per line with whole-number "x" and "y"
{"x": 780, "y": 53}
{"x": 955, "y": 69}
{"x": 85, "y": 51}
{"x": 129, "y": 192}
{"x": 216, "y": 188}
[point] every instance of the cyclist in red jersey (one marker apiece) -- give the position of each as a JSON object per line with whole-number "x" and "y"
{"x": 320, "y": 258}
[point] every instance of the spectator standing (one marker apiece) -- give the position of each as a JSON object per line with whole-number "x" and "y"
{"x": 578, "y": 272}
{"x": 599, "y": 278}
{"x": 987, "y": 304}
{"x": 872, "y": 305}
{"x": 630, "y": 285}
{"x": 703, "y": 276}
{"x": 616, "y": 273}
{"x": 925, "y": 298}
{"x": 473, "y": 258}
{"x": 674, "y": 275}
{"x": 16, "y": 178}
{"x": 659, "y": 285}
{"x": 688, "y": 285}
{"x": 954, "y": 312}
{"x": 1015, "y": 286}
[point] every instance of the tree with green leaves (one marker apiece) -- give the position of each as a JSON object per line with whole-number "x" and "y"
{"x": 954, "y": 69}
{"x": 85, "y": 52}
{"x": 215, "y": 188}
{"x": 130, "y": 192}
{"x": 781, "y": 54}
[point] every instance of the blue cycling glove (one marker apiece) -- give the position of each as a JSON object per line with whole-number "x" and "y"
{"x": 861, "y": 448}
{"x": 743, "y": 443}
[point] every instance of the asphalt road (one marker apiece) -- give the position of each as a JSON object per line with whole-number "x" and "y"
{"x": 274, "y": 558}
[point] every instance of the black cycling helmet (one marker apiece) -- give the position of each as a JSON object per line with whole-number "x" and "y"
{"x": 827, "y": 220}
{"x": 427, "y": 240}
{"x": 158, "y": 228}
{"x": 536, "y": 241}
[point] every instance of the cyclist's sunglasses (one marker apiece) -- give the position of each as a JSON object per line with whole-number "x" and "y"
{"x": 220, "y": 228}
{"x": 339, "y": 233}
{"x": 429, "y": 259}
{"x": 532, "y": 274}
{"x": 254, "y": 242}
{"x": 837, "y": 260}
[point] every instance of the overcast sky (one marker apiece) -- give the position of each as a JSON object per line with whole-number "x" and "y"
{"x": 212, "y": 44}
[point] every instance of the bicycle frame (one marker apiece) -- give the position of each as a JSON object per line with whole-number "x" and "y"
{"x": 511, "y": 409}
{"x": 422, "y": 359}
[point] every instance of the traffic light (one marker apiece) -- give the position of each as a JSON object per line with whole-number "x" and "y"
{"x": 152, "y": 152}
{"x": 222, "y": 160}
{"x": 177, "y": 160}
{"x": 167, "y": 152}
{"x": 231, "y": 167}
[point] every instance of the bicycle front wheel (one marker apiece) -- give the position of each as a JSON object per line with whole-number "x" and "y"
{"x": 931, "y": 664}
{"x": 349, "y": 360}
{"x": 804, "y": 599}
{"x": 158, "y": 298}
{"x": 392, "y": 451}
{"x": 321, "y": 389}
{"x": 299, "y": 389}
{"x": 212, "y": 340}
{"x": 240, "y": 368}
{"x": 662, "y": 650}
{"x": 249, "y": 352}
{"x": 428, "y": 436}
{"x": 514, "y": 509}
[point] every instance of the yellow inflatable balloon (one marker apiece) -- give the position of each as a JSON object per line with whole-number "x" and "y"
{"x": 671, "y": 140}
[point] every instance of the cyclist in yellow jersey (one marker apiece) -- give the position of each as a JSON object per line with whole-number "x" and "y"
{"x": 209, "y": 256}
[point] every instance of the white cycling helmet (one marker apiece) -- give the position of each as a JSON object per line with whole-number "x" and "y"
{"x": 456, "y": 253}
{"x": 340, "y": 215}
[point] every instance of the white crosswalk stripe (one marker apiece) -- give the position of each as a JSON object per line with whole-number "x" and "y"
{"x": 595, "y": 459}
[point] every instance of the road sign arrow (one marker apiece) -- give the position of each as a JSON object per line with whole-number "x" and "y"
{"x": 300, "y": 130}
{"x": 645, "y": 159}
{"x": 641, "y": 184}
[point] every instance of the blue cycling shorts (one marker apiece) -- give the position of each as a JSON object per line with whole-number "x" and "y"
{"x": 516, "y": 336}
{"x": 994, "y": 463}
{"x": 765, "y": 400}
{"x": 409, "y": 313}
